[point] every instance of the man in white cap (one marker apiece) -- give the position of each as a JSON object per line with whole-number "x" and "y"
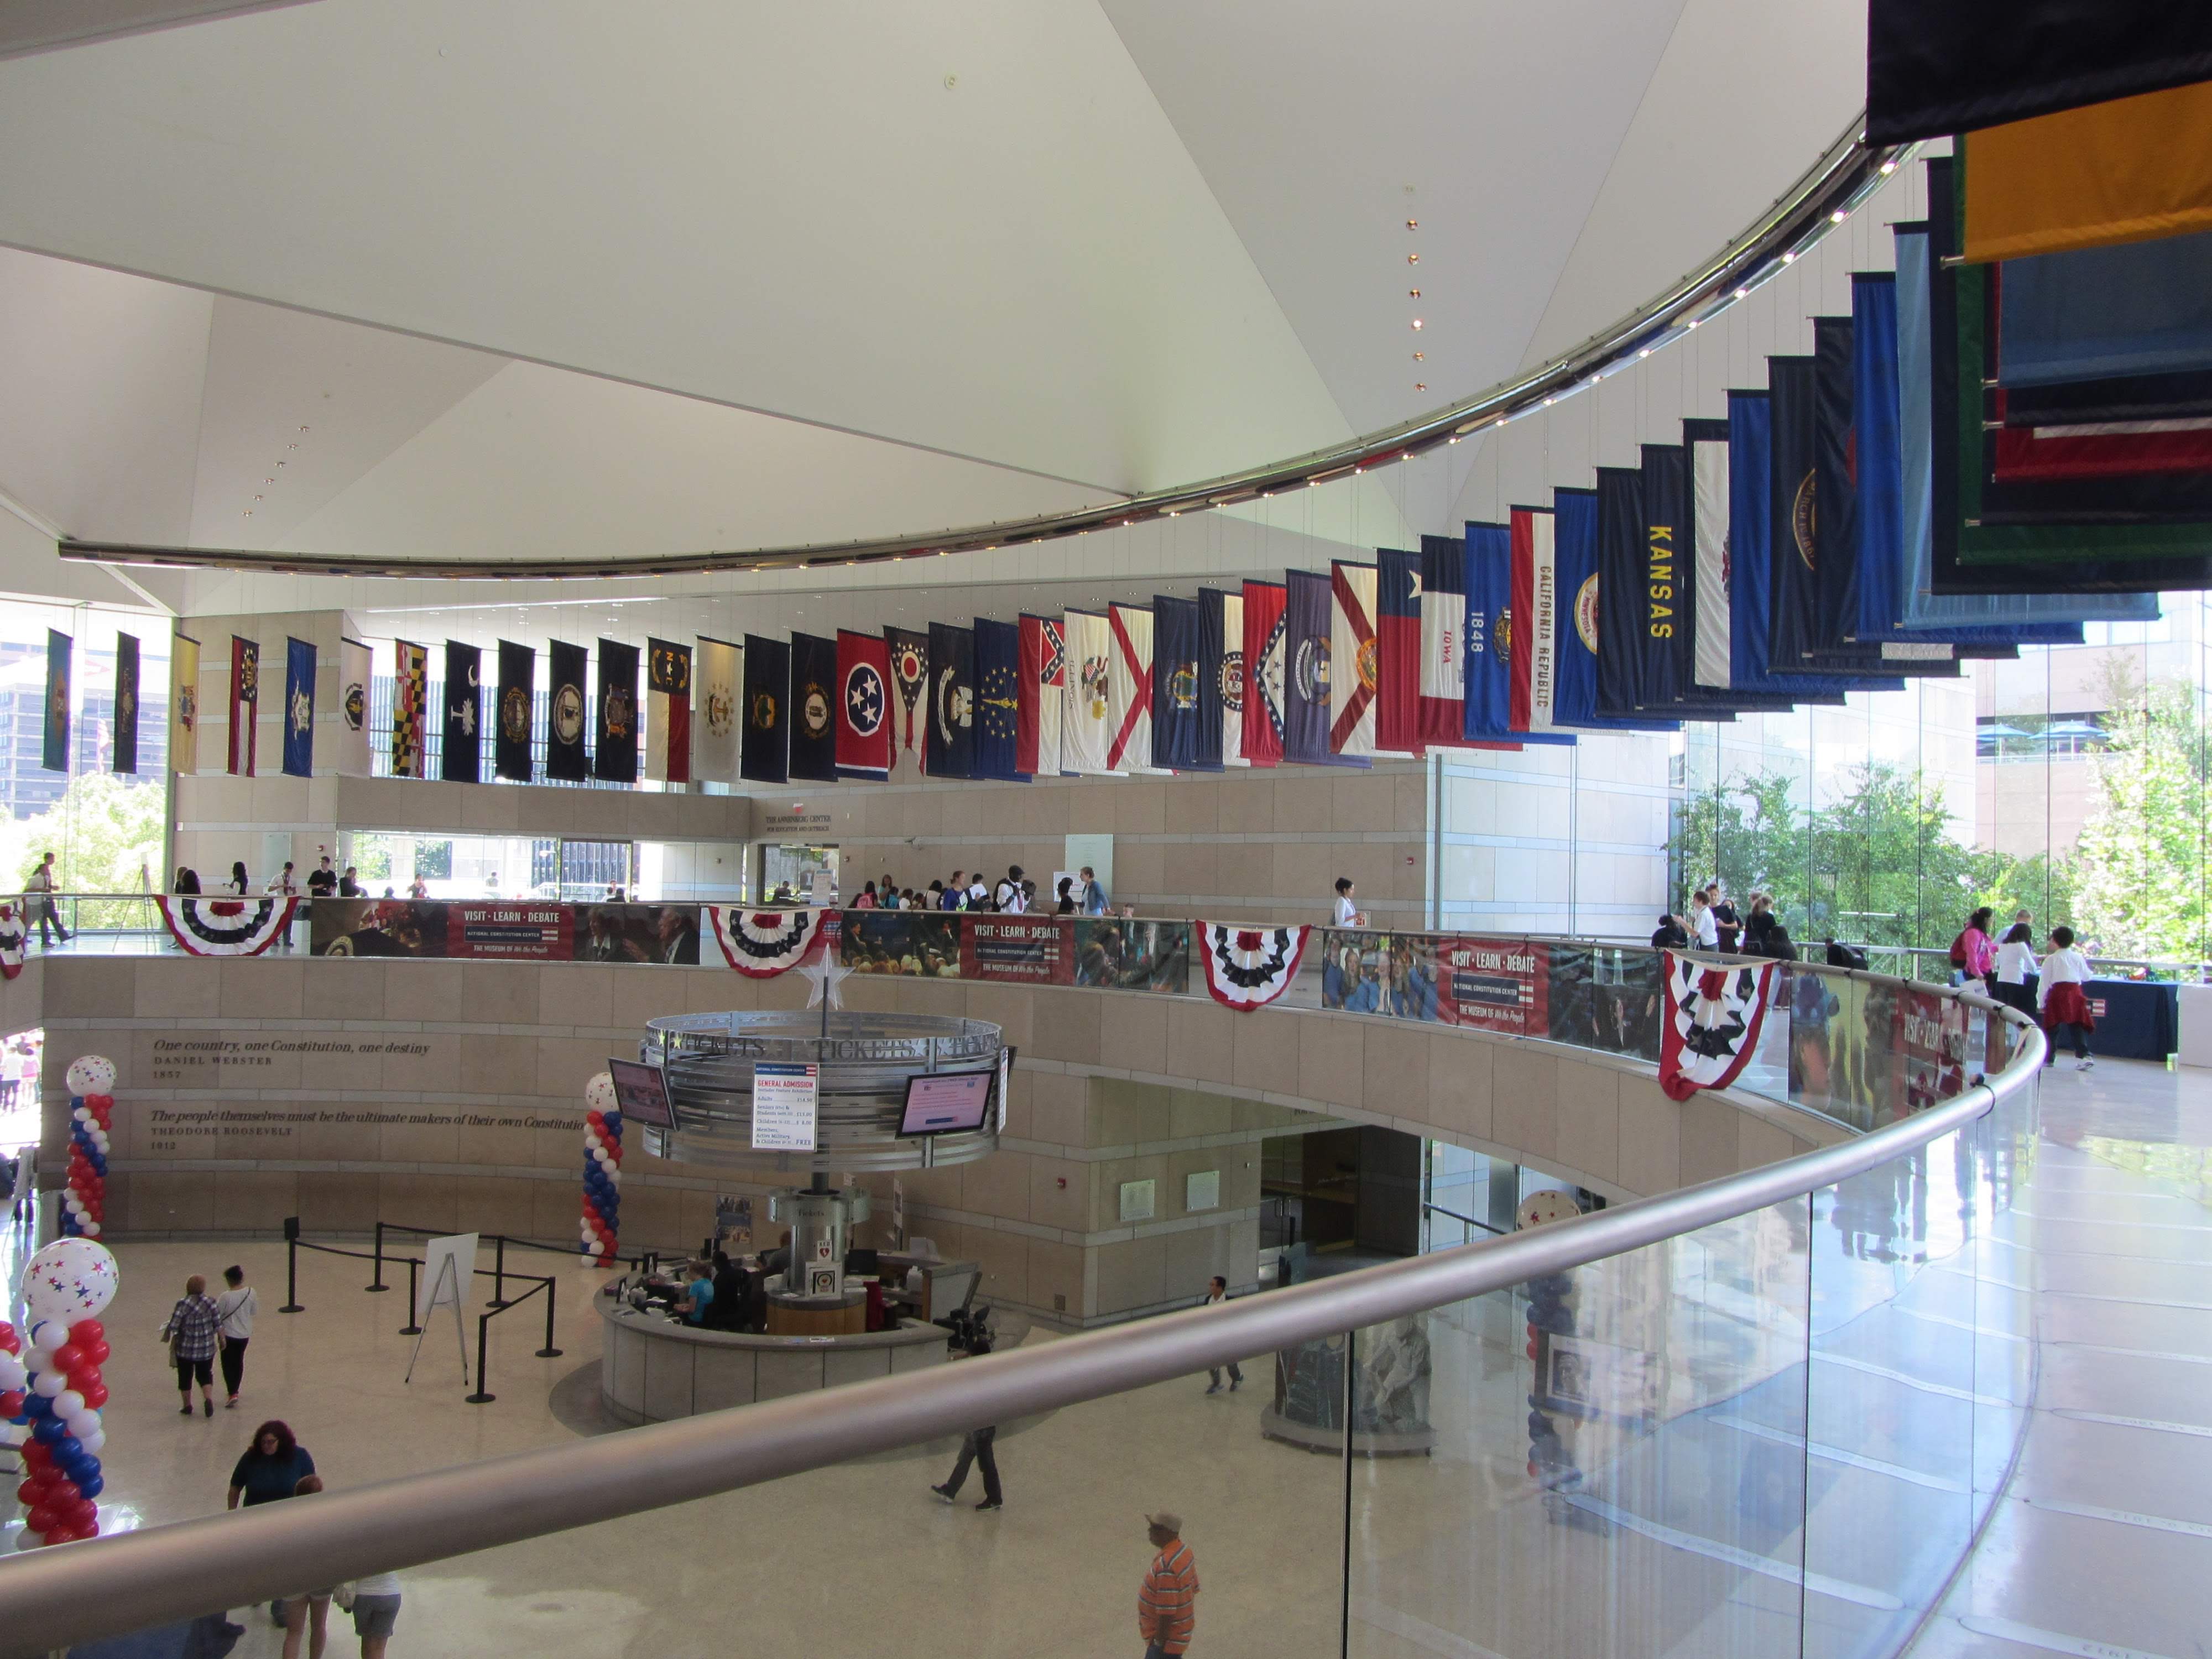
{"x": 1167, "y": 1605}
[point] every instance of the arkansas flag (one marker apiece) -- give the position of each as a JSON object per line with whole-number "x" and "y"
{"x": 863, "y": 705}
{"x": 667, "y": 711}
{"x": 1044, "y": 688}
{"x": 1535, "y": 663}
{"x": 1265, "y": 624}
{"x": 1129, "y": 690}
{"x": 1710, "y": 1027}
{"x": 1398, "y": 650}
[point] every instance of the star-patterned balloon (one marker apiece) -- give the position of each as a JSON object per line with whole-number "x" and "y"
{"x": 90, "y": 1074}
{"x": 71, "y": 1279}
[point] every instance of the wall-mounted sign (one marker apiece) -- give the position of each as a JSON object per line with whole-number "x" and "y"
{"x": 1203, "y": 1191}
{"x": 1137, "y": 1200}
{"x": 784, "y": 1101}
{"x": 798, "y": 823}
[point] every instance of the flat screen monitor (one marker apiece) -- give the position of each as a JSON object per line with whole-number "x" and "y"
{"x": 862, "y": 1264}
{"x": 946, "y": 1103}
{"x": 641, "y": 1092}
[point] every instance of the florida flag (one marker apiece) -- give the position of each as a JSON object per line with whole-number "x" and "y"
{"x": 1535, "y": 662}
{"x": 863, "y": 705}
{"x": 1398, "y": 650}
{"x": 1354, "y": 676}
{"x": 1043, "y": 688}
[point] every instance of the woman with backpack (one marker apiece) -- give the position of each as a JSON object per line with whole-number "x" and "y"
{"x": 1974, "y": 954}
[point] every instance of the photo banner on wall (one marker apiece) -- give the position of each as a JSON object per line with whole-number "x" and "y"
{"x": 512, "y": 710}
{"x": 183, "y": 704}
{"x": 298, "y": 708}
{"x": 245, "y": 702}
{"x": 1018, "y": 949}
{"x": 507, "y": 930}
{"x": 910, "y": 944}
{"x": 717, "y": 710}
{"x": 865, "y": 713}
{"x": 765, "y": 750}
{"x": 1265, "y": 637}
{"x": 813, "y": 708}
{"x": 411, "y": 693}
{"x": 55, "y": 756}
{"x": 567, "y": 713}
{"x": 355, "y": 663}
{"x": 461, "y": 756}
{"x": 125, "y": 752}
{"x": 667, "y": 711}
{"x": 614, "y": 747}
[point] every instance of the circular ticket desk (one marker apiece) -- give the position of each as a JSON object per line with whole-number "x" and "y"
{"x": 654, "y": 1368}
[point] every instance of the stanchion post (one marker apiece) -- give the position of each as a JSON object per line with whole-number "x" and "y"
{"x": 498, "y": 1271}
{"x": 378, "y": 1284}
{"x": 291, "y": 1270}
{"x": 548, "y": 1352}
{"x": 410, "y": 1328}
{"x": 483, "y": 1395}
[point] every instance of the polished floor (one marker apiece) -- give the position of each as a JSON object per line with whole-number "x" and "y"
{"x": 2087, "y": 1300}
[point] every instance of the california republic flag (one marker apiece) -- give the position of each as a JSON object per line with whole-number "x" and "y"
{"x": 1711, "y": 1027}
{"x": 1248, "y": 968}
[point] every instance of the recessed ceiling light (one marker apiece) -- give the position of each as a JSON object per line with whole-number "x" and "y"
{"x": 1413, "y": 224}
{"x": 1837, "y": 217}
{"x": 1420, "y": 386}
{"x": 1412, "y": 258}
{"x": 1417, "y": 322}
{"x": 1420, "y": 355}
{"x": 1789, "y": 255}
{"x": 1413, "y": 294}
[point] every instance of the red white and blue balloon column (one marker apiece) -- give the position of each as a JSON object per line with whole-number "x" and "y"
{"x": 91, "y": 1081}
{"x": 50, "y": 1389}
{"x": 603, "y": 1148}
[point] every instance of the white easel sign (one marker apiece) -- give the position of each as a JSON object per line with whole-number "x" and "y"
{"x": 785, "y": 1099}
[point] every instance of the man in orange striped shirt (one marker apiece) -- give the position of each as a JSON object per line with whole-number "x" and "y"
{"x": 1167, "y": 1606}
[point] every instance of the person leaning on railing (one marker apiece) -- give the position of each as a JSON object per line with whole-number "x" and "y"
{"x": 39, "y": 903}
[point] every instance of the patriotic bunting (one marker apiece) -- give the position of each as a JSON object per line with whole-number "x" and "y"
{"x": 225, "y": 926}
{"x": 762, "y": 944}
{"x": 1710, "y": 1027}
{"x": 13, "y": 936}
{"x": 1248, "y": 968}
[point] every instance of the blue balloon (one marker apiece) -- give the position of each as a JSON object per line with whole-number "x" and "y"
{"x": 36, "y": 1405}
{"x": 51, "y": 1430}
{"x": 90, "y": 1485}
{"x": 65, "y": 1445}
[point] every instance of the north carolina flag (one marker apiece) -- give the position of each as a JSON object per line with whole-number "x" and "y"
{"x": 667, "y": 711}
{"x": 863, "y": 705}
{"x": 1265, "y": 624}
{"x": 1440, "y": 713}
{"x": 1535, "y": 662}
{"x": 1398, "y": 650}
{"x": 1044, "y": 678}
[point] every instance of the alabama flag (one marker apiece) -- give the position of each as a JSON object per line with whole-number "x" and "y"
{"x": 1043, "y": 686}
{"x": 863, "y": 705}
{"x": 1398, "y": 650}
{"x": 1535, "y": 662}
{"x": 1129, "y": 690}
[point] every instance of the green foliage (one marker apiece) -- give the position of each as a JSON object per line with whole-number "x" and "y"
{"x": 106, "y": 835}
{"x": 2140, "y": 866}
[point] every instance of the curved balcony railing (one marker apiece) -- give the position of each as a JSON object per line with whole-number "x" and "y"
{"x": 1767, "y": 1414}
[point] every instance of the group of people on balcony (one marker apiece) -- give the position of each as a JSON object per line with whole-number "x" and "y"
{"x": 1715, "y": 924}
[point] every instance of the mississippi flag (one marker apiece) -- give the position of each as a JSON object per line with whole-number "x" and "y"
{"x": 1264, "y": 622}
{"x": 1129, "y": 690}
{"x": 667, "y": 711}
{"x": 1535, "y": 662}
{"x": 863, "y": 705}
{"x": 1398, "y": 650}
{"x": 1044, "y": 683}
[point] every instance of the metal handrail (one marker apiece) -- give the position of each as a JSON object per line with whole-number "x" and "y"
{"x": 135, "y": 1580}
{"x": 1845, "y": 173}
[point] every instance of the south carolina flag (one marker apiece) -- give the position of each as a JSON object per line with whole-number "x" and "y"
{"x": 1129, "y": 690}
{"x": 1398, "y": 650}
{"x": 1535, "y": 663}
{"x": 1044, "y": 678}
{"x": 863, "y": 705}
{"x": 667, "y": 711}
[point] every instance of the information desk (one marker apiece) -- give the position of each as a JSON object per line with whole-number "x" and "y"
{"x": 2136, "y": 1018}
{"x": 654, "y": 1368}
{"x": 843, "y": 1314}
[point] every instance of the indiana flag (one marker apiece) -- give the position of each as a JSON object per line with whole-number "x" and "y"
{"x": 864, "y": 706}
{"x": 1129, "y": 690}
{"x": 667, "y": 711}
{"x": 1534, "y": 666}
{"x": 1223, "y": 617}
{"x": 1265, "y": 624}
{"x": 245, "y": 701}
{"x": 1354, "y": 668}
{"x": 1044, "y": 677}
{"x": 1398, "y": 650}
{"x": 1440, "y": 711}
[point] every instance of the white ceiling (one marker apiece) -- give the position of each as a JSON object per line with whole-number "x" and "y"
{"x": 714, "y": 273}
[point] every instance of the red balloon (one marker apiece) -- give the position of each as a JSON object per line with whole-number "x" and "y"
{"x": 32, "y": 1493}
{"x": 11, "y": 1403}
{"x": 84, "y": 1516}
{"x": 43, "y": 1518}
{"x": 9, "y": 1342}
{"x": 87, "y": 1330}
{"x": 68, "y": 1358}
{"x": 95, "y": 1394}
{"x": 62, "y": 1493}
{"x": 37, "y": 1454}
{"x": 85, "y": 1370}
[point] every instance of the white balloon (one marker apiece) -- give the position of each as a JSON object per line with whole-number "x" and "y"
{"x": 92, "y": 1229}
{"x": 592, "y": 1141}
{"x": 598, "y": 1247}
{"x": 27, "y": 1539}
{"x": 95, "y": 1440}
{"x": 71, "y": 1279}
{"x": 599, "y": 1094}
{"x": 46, "y": 1335}
{"x": 81, "y": 1424}
{"x": 81, "y": 1115}
{"x": 90, "y": 1074}
{"x": 68, "y": 1403}
{"x": 48, "y": 1383}
{"x": 12, "y": 1372}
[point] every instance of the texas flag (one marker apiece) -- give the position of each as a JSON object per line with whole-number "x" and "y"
{"x": 1534, "y": 661}
{"x": 1398, "y": 650}
{"x": 863, "y": 705}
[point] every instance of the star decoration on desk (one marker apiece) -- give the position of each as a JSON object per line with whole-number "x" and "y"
{"x": 826, "y": 975}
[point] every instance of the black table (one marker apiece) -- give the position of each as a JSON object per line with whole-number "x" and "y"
{"x": 2137, "y": 1019}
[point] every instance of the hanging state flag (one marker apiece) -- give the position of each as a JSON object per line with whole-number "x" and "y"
{"x": 864, "y": 706}
{"x": 949, "y": 750}
{"x": 1398, "y": 650}
{"x": 910, "y": 678}
{"x": 1044, "y": 681}
{"x": 1211, "y": 666}
{"x": 1576, "y": 618}
{"x": 2119, "y": 172}
{"x": 567, "y": 713}
{"x": 461, "y": 759}
{"x": 356, "y": 662}
{"x": 1267, "y": 680}
{"x": 1487, "y": 655}
{"x": 765, "y": 750}
{"x": 2142, "y": 309}
{"x": 125, "y": 751}
{"x": 1308, "y": 670}
{"x": 1355, "y": 668}
{"x": 1221, "y": 615}
{"x": 1934, "y": 71}
{"x": 245, "y": 700}
{"x": 1129, "y": 689}
{"x": 1532, "y": 669}
{"x": 717, "y": 710}
{"x": 298, "y": 708}
{"x": 410, "y": 701}
{"x": 55, "y": 754}
{"x": 667, "y": 711}
{"x": 1836, "y": 521}
{"x": 1708, "y": 444}
{"x": 1176, "y": 684}
{"x": 999, "y": 700}
{"x": 183, "y": 704}
{"x": 1624, "y": 631}
{"x": 513, "y": 706}
{"x": 1794, "y": 597}
{"x": 813, "y": 708}
{"x": 1084, "y": 734}
{"x": 614, "y": 752}
{"x": 1440, "y": 680}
